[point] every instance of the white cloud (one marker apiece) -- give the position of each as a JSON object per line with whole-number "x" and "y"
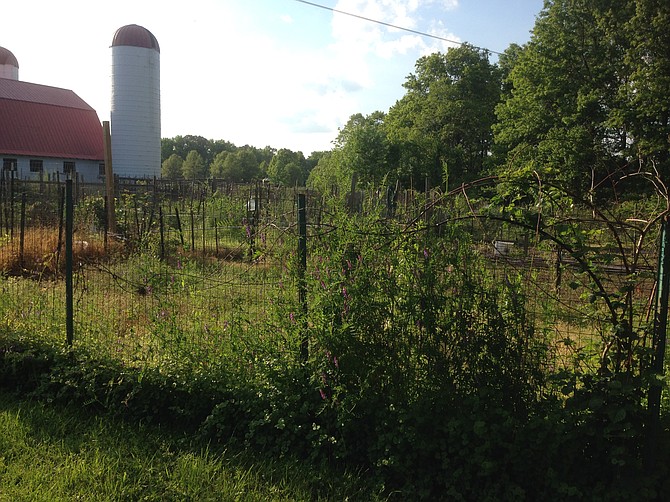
{"x": 449, "y": 4}
{"x": 362, "y": 38}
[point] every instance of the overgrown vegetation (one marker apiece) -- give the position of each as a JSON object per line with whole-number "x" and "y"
{"x": 428, "y": 368}
{"x": 409, "y": 349}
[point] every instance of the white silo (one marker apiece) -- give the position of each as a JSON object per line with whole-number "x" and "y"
{"x": 136, "y": 111}
{"x": 9, "y": 66}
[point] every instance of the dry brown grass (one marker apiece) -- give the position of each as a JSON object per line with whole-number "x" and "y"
{"x": 43, "y": 256}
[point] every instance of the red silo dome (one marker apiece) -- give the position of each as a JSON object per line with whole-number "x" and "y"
{"x": 135, "y": 36}
{"x": 6, "y": 57}
{"x": 9, "y": 66}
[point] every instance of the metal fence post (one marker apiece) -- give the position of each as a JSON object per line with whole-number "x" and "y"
{"x": 162, "y": 231}
{"x": 659, "y": 339}
{"x": 302, "y": 269}
{"x": 69, "y": 226}
{"x": 22, "y": 235}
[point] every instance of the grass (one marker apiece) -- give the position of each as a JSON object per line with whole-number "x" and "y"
{"x": 54, "y": 453}
{"x": 42, "y": 252}
{"x": 132, "y": 304}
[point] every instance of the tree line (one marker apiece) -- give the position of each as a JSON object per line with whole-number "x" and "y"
{"x": 195, "y": 157}
{"x": 585, "y": 102}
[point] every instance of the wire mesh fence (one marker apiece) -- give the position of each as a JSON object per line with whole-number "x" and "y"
{"x": 195, "y": 268}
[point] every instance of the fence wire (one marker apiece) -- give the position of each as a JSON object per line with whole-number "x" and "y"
{"x": 195, "y": 268}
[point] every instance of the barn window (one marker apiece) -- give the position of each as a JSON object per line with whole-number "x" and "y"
{"x": 101, "y": 169}
{"x": 68, "y": 167}
{"x": 36, "y": 166}
{"x": 9, "y": 164}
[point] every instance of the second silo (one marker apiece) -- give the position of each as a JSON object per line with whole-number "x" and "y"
{"x": 135, "y": 110}
{"x": 9, "y": 66}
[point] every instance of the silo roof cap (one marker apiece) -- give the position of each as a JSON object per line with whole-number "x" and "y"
{"x": 135, "y": 36}
{"x": 6, "y": 57}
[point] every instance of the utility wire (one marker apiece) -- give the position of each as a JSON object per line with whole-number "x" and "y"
{"x": 422, "y": 33}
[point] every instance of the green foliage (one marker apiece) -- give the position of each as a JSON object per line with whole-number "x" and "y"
{"x": 136, "y": 215}
{"x": 391, "y": 334}
{"x": 182, "y": 145}
{"x": 172, "y": 167}
{"x": 237, "y": 167}
{"x": 363, "y": 148}
{"x": 288, "y": 168}
{"x": 90, "y": 214}
{"x": 330, "y": 175}
{"x": 579, "y": 108}
{"x": 441, "y": 128}
{"x": 648, "y": 87}
{"x": 194, "y": 166}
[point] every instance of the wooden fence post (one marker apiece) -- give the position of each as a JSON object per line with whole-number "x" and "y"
{"x": 109, "y": 178}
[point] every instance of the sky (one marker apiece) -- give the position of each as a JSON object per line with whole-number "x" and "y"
{"x": 277, "y": 73}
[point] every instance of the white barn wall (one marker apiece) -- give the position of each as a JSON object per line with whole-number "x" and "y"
{"x": 89, "y": 170}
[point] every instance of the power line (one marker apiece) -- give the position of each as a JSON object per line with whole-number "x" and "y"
{"x": 422, "y": 33}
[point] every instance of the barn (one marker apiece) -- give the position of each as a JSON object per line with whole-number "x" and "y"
{"x": 46, "y": 130}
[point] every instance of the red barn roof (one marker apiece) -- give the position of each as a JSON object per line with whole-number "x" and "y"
{"x": 42, "y": 121}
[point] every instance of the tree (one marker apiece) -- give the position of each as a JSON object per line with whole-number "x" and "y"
{"x": 239, "y": 166}
{"x": 313, "y": 160}
{"x": 288, "y": 168}
{"x": 328, "y": 175}
{"x": 364, "y": 147}
{"x": 217, "y": 169}
{"x": 172, "y": 167}
{"x": 194, "y": 166}
{"x": 182, "y": 145}
{"x": 648, "y": 116}
{"x": 562, "y": 118}
{"x": 442, "y": 127}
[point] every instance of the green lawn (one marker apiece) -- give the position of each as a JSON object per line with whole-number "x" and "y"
{"x": 54, "y": 453}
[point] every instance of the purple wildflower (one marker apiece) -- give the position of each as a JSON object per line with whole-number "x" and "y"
{"x": 323, "y": 394}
